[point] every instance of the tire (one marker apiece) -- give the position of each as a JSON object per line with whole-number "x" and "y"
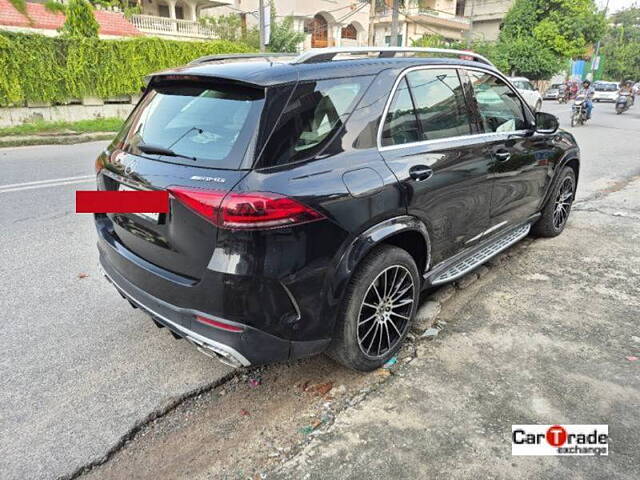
{"x": 538, "y": 106}
{"x": 548, "y": 225}
{"x": 573, "y": 120}
{"x": 355, "y": 331}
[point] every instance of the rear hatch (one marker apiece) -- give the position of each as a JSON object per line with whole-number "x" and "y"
{"x": 184, "y": 136}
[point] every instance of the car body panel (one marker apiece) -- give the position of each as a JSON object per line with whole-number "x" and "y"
{"x": 285, "y": 286}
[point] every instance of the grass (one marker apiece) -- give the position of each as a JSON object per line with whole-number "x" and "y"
{"x": 81, "y": 126}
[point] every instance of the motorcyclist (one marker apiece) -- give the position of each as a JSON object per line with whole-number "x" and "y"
{"x": 587, "y": 92}
{"x": 627, "y": 89}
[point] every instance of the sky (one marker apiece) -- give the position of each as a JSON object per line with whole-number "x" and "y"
{"x": 615, "y": 5}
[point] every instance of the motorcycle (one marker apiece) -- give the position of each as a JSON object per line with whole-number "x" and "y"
{"x": 579, "y": 111}
{"x": 564, "y": 96}
{"x": 623, "y": 103}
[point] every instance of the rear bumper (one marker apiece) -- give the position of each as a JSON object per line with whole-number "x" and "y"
{"x": 175, "y": 305}
{"x": 250, "y": 347}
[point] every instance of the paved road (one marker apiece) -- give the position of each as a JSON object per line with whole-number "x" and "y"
{"x": 79, "y": 367}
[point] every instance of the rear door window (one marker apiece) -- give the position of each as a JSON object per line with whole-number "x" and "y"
{"x": 316, "y": 111}
{"x": 428, "y": 104}
{"x": 401, "y": 122}
{"x": 212, "y": 124}
{"x": 440, "y": 104}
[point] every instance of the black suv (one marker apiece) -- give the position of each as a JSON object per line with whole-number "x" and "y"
{"x": 312, "y": 199}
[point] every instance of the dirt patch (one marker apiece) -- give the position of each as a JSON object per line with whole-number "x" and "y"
{"x": 255, "y": 421}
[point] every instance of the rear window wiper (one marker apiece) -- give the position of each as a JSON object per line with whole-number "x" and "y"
{"x": 158, "y": 150}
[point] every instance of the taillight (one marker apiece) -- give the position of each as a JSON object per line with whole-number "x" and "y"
{"x": 245, "y": 211}
{"x": 218, "y": 324}
{"x": 204, "y": 202}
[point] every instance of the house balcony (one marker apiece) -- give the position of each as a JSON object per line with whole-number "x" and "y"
{"x": 177, "y": 19}
{"x": 417, "y": 13}
{"x": 171, "y": 27}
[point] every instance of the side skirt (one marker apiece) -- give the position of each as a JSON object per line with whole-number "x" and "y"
{"x": 458, "y": 265}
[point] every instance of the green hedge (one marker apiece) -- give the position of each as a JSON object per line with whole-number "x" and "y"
{"x": 52, "y": 69}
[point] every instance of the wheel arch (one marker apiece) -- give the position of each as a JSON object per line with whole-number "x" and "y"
{"x": 405, "y": 231}
{"x": 571, "y": 159}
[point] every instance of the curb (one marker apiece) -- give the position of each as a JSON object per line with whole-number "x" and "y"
{"x": 20, "y": 141}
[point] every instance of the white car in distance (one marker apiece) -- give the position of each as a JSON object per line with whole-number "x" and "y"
{"x": 605, "y": 91}
{"x": 528, "y": 92}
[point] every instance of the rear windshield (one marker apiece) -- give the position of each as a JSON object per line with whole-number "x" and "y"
{"x": 212, "y": 124}
{"x": 606, "y": 87}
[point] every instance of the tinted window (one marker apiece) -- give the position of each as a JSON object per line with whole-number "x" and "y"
{"x": 440, "y": 104}
{"x": 401, "y": 124}
{"x": 498, "y": 105}
{"x": 315, "y": 112}
{"x": 208, "y": 122}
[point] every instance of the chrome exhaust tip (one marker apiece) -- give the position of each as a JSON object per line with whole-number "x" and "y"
{"x": 209, "y": 351}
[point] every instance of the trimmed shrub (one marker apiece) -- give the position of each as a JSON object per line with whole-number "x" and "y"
{"x": 54, "y": 69}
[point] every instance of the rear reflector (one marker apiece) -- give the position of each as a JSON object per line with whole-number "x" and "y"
{"x": 218, "y": 324}
{"x": 245, "y": 211}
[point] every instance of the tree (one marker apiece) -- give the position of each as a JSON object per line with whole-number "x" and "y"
{"x": 80, "y": 21}
{"x": 225, "y": 27}
{"x": 539, "y": 35}
{"x": 621, "y": 46}
{"x": 283, "y": 37}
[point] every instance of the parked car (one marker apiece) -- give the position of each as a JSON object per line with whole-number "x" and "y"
{"x": 605, "y": 91}
{"x": 553, "y": 92}
{"x": 312, "y": 199}
{"x": 528, "y": 91}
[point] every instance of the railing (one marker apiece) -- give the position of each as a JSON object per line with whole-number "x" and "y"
{"x": 414, "y": 11}
{"x": 171, "y": 26}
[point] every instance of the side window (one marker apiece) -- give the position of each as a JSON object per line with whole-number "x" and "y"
{"x": 500, "y": 108}
{"x": 401, "y": 124}
{"x": 315, "y": 112}
{"x": 440, "y": 104}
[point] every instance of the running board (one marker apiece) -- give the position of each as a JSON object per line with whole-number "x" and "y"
{"x": 480, "y": 256}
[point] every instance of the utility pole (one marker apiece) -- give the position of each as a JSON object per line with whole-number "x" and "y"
{"x": 261, "y": 10}
{"x": 473, "y": 5}
{"x": 372, "y": 18}
{"x": 394, "y": 23}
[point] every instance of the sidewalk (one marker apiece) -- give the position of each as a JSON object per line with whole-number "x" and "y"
{"x": 543, "y": 339}
{"x": 53, "y": 139}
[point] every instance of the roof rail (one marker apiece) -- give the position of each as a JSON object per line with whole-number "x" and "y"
{"x": 238, "y": 56}
{"x": 316, "y": 55}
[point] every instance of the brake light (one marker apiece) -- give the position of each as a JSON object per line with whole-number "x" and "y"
{"x": 245, "y": 211}
{"x": 218, "y": 324}
{"x": 204, "y": 202}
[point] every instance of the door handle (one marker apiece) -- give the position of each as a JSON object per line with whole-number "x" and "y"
{"x": 420, "y": 172}
{"x": 502, "y": 155}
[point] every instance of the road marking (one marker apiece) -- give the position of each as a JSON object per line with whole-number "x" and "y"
{"x": 54, "y": 182}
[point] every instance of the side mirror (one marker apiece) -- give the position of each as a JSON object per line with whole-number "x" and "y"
{"x": 546, "y": 123}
